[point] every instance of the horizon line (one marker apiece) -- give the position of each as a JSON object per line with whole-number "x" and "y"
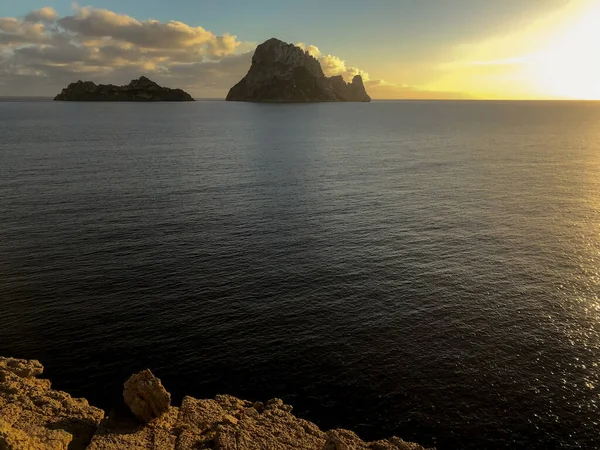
{"x": 44, "y": 97}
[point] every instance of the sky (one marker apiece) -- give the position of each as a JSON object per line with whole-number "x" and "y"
{"x": 415, "y": 49}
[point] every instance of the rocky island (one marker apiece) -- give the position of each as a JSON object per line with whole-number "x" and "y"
{"x": 33, "y": 416}
{"x": 140, "y": 90}
{"x": 284, "y": 73}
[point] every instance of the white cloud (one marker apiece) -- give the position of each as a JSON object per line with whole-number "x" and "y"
{"x": 333, "y": 65}
{"x": 311, "y": 49}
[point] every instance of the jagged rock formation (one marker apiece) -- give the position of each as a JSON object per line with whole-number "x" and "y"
{"x": 140, "y": 90}
{"x": 283, "y": 73}
{"x": 35, "y": 417}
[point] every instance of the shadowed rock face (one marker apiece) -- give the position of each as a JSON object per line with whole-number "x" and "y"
{"x": 35, "y": 417}
{"x": 285, "y": 73}
{"x": 146, "y": 396}
{"x": 140, "y": 90}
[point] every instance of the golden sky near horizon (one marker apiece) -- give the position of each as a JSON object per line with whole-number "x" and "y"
{"x": 546, "y": 49}
{"x": 556, "y": 56}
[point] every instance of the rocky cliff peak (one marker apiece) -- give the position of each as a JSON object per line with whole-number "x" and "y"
{"x": 282, "y": 72}
{"x": 276, "y": 52}
{"x": 143, "y": 82}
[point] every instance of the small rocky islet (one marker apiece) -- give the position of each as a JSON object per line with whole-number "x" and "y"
{"x": 139, "y": 90}
{"x": 33, "y": 416}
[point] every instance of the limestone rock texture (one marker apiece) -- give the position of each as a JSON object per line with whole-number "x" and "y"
{"x": 139, "y": 90}
{"x": 146, "y": 396}
{"x": 284, "y": 73}
{"x": 35, "y": 417}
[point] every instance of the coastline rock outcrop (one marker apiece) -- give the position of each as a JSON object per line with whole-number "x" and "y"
{"x": 33, "y": 416}
{"x": 139, "y": 90}
{"x": 284, "y": 73}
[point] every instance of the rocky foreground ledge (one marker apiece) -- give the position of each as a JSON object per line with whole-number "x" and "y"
{"x": 33, "y": 416}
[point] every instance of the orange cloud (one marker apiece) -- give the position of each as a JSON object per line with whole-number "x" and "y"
{"x": 46, "y": 14}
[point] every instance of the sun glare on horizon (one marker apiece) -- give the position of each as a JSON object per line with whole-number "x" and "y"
{"x": 552, "y": 57}
{"x": 569, "y": 65}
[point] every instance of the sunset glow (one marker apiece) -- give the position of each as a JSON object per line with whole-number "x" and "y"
{"x": 553, "y": 57}
{"x": 569, "y": 66}
{"x": 545, "y": 49}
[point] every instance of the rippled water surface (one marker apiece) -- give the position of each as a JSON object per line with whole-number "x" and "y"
{"x": 425, "y": 269}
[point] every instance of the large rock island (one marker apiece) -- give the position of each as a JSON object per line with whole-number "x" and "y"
{"x": 284, "y": 73}
{"x": 33, "y": 416}
{"x": 140, "y": 90}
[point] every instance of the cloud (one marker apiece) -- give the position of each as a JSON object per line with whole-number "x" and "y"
{"x": 333, "y": 65}
{"x": 42, "y": 52}
{"x": 310, "y": 49}
{"x": 46, "y": 14}
{"x": 100, "y": 23}
{"x": 18, "y": 32}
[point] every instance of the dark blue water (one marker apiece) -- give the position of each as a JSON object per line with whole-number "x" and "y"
{"x": 425, "y": 269}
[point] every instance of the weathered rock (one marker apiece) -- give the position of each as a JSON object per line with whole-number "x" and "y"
{"x": 355, "y": 91}
{"x": 146, "y": 396}
{"x": 343, "y": 440}
{"x": 283, "y": 73}
{"x": 259, "y": 406}
{"x": 347, "y": 440}
{"x": 140, "y": 90}
{"x": 34, "y": 438}
{"x": 227, "y": 423}
{"x": 22, "y": 367}
{"x": 34, "y": 416}
{"x": 394, "y": 443}
{"x": 159, "y": 434}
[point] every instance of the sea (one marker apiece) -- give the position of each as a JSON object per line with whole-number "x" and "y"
{"x": 425, "y": 269}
